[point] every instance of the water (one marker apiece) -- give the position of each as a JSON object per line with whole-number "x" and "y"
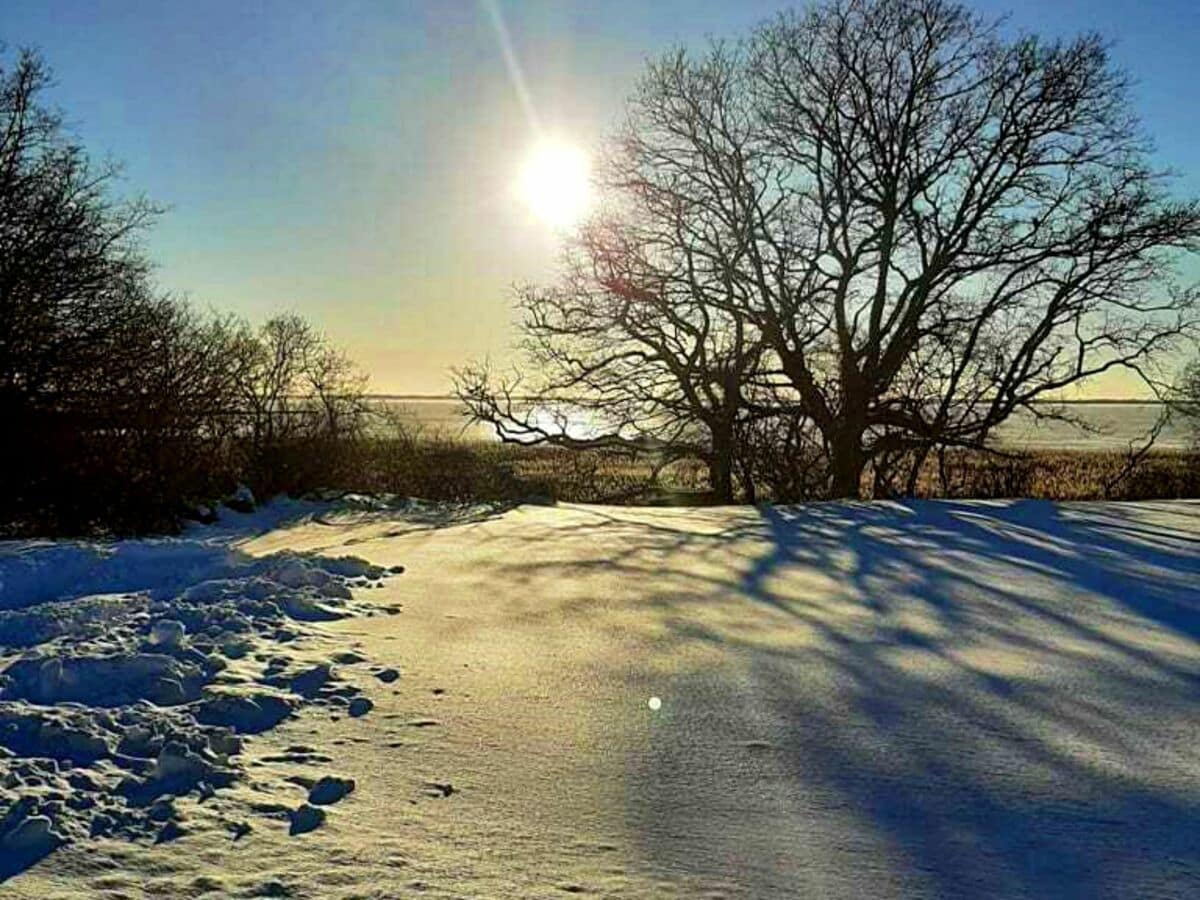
{"x": 1115, "y": 425}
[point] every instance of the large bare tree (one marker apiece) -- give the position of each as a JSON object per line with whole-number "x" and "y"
{"x": 980, "y": 226}
{"x": 919, "y": 225}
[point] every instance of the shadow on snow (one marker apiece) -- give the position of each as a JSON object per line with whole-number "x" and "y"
{"x": 999, "y": 693}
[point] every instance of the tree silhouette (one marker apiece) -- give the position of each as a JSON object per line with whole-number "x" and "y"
{"x": 910, "y": 225}
{"x": 128, "y": 404}
{"x": 980, "y": 226}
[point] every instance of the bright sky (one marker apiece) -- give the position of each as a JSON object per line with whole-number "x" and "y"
{"x": 360, "y": 162}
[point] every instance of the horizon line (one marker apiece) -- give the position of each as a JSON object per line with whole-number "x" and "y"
{"x": 1098, "y": 400}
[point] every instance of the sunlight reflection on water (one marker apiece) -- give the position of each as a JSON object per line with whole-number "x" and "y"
{"x": 1117, "y": 424}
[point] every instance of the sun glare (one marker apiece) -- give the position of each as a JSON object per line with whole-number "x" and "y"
{"x": 554, "y": 183}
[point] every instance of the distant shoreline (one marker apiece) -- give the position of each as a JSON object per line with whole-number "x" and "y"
{"x": 1094, "y": 402}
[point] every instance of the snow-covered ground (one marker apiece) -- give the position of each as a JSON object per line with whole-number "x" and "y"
{"x": 131, "y": 674}
{"x": 934, "y": 699}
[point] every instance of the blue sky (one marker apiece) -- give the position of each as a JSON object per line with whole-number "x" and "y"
{"x": 354, "y": 161}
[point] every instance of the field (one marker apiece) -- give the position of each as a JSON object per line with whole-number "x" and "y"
{"x": 915, "y": 699}
{"x": 111, "y": 490}
{"x": 432, "y": 452}
{"x": 461, "y": 469}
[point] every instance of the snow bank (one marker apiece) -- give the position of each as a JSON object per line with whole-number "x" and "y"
{"x": 36, "y": 571}
{"x": 131, "y": 671}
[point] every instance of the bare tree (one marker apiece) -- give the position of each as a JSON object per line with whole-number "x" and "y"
{"x": 72, "y": 278}
{"x": 127, "y": 402}
{"x": 77, "y": 310}
{"x": 912, "y": 226}
{"x": 272, "y": 385}
{"x": 979, "y": 223}
{"x": 296, "y": 395}
{"x": 1185, "y": 400}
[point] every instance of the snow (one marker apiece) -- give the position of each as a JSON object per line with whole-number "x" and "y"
{"x": 36, "y": 571}
{"x": 129, "y": 670}
{"x": 928, "y": 699}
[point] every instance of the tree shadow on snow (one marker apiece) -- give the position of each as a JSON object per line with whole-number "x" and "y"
{"x": 986, "y": 699}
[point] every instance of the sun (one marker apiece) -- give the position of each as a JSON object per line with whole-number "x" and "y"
{"x": 555, "y": 183}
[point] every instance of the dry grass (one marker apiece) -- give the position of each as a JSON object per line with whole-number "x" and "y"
{"x": 1064, "y": 475}
{"x": 449, "y": 469}
{"x": 440, "y": 468}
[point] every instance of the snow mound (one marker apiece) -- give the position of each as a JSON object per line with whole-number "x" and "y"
{"x": 130, "y": 673}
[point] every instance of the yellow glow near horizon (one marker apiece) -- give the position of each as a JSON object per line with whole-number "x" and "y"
{"x": 555, "y": 184}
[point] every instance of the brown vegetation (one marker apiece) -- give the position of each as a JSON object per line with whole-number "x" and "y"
{"x": 438, "y": 467}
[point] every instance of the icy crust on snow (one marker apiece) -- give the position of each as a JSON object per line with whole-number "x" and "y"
{"x": 130, "y": 674}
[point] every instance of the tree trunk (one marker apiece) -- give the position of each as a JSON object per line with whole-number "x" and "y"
{"x": 846, "y": 464}
{"x": 720, "y": 467}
